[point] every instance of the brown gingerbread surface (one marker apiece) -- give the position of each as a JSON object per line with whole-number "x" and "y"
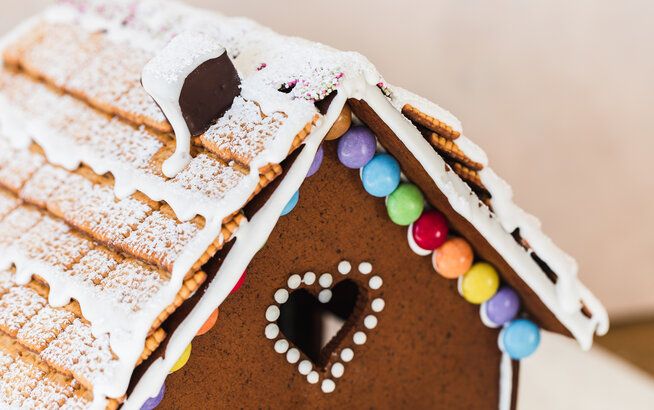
{"x": 429, "y": 349}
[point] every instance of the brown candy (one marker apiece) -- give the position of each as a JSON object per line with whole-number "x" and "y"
{"x": 342, "y": 124}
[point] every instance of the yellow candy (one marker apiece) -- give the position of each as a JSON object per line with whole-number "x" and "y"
{"x": 480, "y": 283}
{"x": 183, "y": 359}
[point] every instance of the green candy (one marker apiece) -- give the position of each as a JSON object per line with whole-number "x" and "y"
{"x": 405, "y": 204}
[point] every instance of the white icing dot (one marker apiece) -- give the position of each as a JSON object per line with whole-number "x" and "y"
{"x": 375, "y": 282}
{"x": 272, "y": 313}
{"x": 370, "y": 322}
{"x": 325, "y": 296}
{"x": 281, "y": 296}
{"x": 281, "y": 346}
{"x": 378, "y": 305}
{"x": 365, "y": 268}
{"x": 328, "y": 386}
{"x": 313, "y": 377}
{"x": 304, "y": 367}
{"x": 325, "y": 280}
{"x": 293, "y": 355}
{"x": 359, "y": 338}
{"x": 309, "y": 278}
{"x": 344, "y": 267}
{"x": 337, "y": 370}
{"x": 272, "y": 330}
{"x": 347, "y": 355}
{"x": 294, "y": 281}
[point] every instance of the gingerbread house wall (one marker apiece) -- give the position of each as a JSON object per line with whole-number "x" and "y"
{"x": 429, "y": 349}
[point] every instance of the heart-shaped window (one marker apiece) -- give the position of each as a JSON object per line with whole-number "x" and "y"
{"x": 317, "y": 328}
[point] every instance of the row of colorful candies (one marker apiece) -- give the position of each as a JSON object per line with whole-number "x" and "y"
{"x": 452, "y": 257}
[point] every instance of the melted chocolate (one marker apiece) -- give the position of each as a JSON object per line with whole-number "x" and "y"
{"x": 208, "y": 92}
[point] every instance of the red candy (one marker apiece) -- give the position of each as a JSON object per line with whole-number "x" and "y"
{"x": 239, "y": 283}
{"x": 430, "y": 230}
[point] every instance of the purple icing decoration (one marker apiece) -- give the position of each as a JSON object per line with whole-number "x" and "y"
{"x": 357, "y": 147}
{"x": 153, "y": 402}
{"x": 317, "y": 162}
{"x": 503, "y": 306}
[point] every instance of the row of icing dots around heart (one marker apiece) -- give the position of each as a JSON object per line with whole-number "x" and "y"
{"x": 209, "y": 324}
{"x": 428, "y": 235}
{"x": 325, "y": 281}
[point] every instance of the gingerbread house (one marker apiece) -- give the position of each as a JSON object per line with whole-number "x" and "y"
{"x": 198, "y": 212}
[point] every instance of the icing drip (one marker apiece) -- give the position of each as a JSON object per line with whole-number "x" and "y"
{"x": 506, "y": 382}
{"x": 163, "y": 78}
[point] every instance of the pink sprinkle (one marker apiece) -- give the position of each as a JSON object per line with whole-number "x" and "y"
{"x": 340, "y": 75}
{"x": 262, "y": 66}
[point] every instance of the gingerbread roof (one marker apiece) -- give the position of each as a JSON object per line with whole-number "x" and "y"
{"x": 88, "y": 214}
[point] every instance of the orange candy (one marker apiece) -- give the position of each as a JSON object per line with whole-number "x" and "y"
{"x": 209, "y": 324}
{"x": 453, "y": 258}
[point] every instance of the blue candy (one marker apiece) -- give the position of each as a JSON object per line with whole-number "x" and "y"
{"x": 520, "y": 338}
{"x": 381, "y": 175}
{"x": 291, "y": 204}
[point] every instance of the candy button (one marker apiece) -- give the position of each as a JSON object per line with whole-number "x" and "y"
{"x": 183, "y": 359}
{"x": 317, "y": 162}
{"x": 405, "y": 204}
{"x": 520, "y": 338}
{"x": 503, "y": 306}
{"x": 430, "y": 230}
{"x": 153, "y": 402}
{"x": 291, "y": 204}
{"x": 209, "y": 324}
{"x": 453, "y": 258}
{"x": 357, "y": 147}
{"x": 381, "y": 175}
{"x": 480, "y": 283}
{"x": 341, "y": 125}
{"x": 239, "y": 283}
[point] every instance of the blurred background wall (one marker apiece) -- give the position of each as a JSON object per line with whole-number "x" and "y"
{"x": 558, "y": 92}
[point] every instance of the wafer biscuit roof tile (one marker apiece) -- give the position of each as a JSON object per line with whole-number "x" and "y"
{"x": 86, "y": 209}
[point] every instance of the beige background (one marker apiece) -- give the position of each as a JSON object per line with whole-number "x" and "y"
{"x": 558, "y": 92}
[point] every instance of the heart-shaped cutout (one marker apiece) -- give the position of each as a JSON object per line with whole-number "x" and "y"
{"x": 317, "y": 328}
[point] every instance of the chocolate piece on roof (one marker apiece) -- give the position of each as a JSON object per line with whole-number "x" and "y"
{"x": 208, "y": 93}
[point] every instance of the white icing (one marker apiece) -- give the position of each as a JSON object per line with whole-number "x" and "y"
{"x": 328, "y": 386}
{"x": 293, "y": 355}
{"x": 506, "y": 382}
{"x": 281, "y": 346}
{"x": 309, "y": 278}
{"x": 325, "y": 280}
{"x": 337, "y": 370}
{"x": 365, "y": 268}
{"x": 271, "y": 331}
{"x": 359, "y": 338}
{"x": 313, "y": 377}
{"x": 294, "y": 281}
{"x": 347, "y": 355}
{"x": 272, "y": 313}
{"x": 281, "y": 296}
{"x": 344, "y": 267}
{"x": 375, "y": 282}
{"x": 325, "y": 296}
{"x": 377, "y": 305}
{"x": 304, "y": 367}
{"x": 413, "y": 245}
{"x": 370, "y": 322}
{"x": 163, "y": 78}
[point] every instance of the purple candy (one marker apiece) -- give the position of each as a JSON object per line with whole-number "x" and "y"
{"x": 317, "y": 162}
{"x": 503, "y": 306}
{"x": 357, "y": 147}
{"x": 153, "y": 402}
